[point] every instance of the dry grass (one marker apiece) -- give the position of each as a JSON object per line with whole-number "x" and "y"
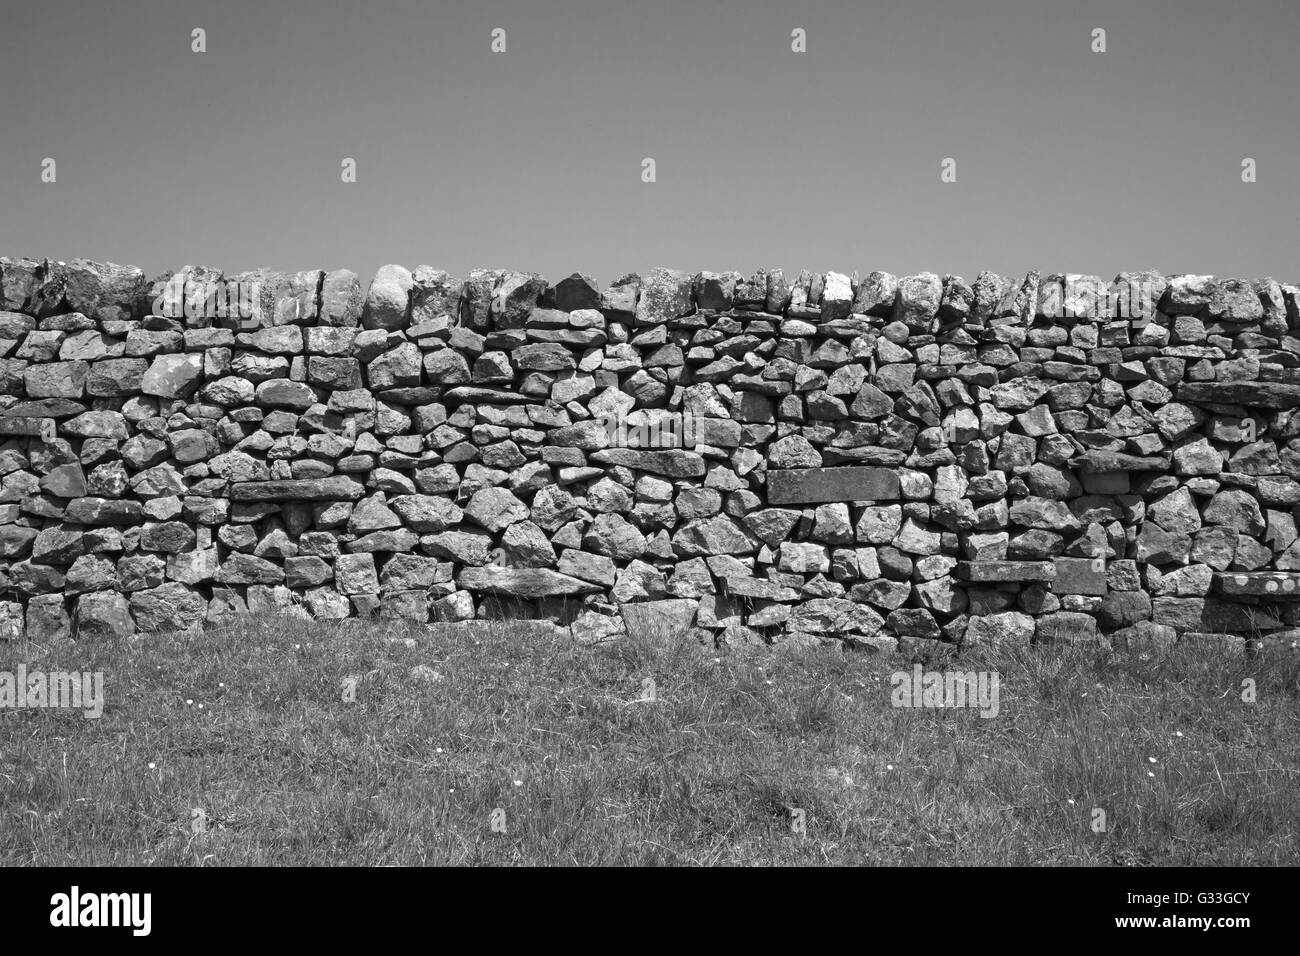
{"x": 248, "y": 724}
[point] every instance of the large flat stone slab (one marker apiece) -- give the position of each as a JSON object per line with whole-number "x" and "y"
{"x": 333, "y": 488}
{"x": 1277, "y": 395}
{"x": 1006, "y": 570}
{"x": 476, "y": 395}
{"x": 1282, "y": 585}
{"x": 672, "y": 463}
{"x": 1098, "y": 462}
{"x": 42, "y": 428}
{"x": 788, "y": 486}
{"x": 100, "y": 512}
{"x": 524, "y": 582}
{"x": 44, "y": 408}
{"x": 760, "y": 588}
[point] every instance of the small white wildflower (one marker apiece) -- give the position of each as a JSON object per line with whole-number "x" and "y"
{"x": 152, "y": 766}
{"x": 1152, "y": 760}
{"x": 889, "y": 766}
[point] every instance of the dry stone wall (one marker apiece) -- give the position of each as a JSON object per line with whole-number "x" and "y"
{"x": 811, "y": 457}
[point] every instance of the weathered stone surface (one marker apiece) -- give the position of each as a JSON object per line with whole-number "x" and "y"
{"x": 1120, "y": 609}
{"x": 118, "y": 377}
{"x": 712, "y": 536}
{"x": 834, "y": 616}
{"x": 815, "y": 485}
{"x": 1008, "y": 627}
{"x": 1237, "y": 510}
{"x": 169, "y": 607}
{"x": 341, "y": 299}
{"x": 103, "y": 290}
{"x": 1006, "y": 570}
{"x": 1096, "y": 461}
{"x": 173, "y": 376}
{"x": 282, "y": 393}
{"x": 1279, "y": 585}
{"x": 103, "y": 511}
{"x": 247, "y": 569}
{"x": 592, "y": 627}
{"x": 388, "y": 302}
{"x": 496, "y": 509}
{"x": 615, "y": 537}
{"x": 334, "y": 488}
{"x": 523, "y": 582}
{"x": 1078, "y": 576}
{"x": 918, "y": 300}
{"x": 665, "y": 294}
{"x": 356, "y": 574}
{"x": 102, "y": 614}
{"x": 56, "y": 380}
{"x": 97, "y": 424}
{"x": 426, "y": 514}
{"x": 672, "y": 463}
{"x": 1255, "y": 394}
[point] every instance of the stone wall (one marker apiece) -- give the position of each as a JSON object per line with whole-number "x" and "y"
{"x": 764, "y": 459}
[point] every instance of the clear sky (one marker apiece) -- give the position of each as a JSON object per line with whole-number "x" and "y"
{"x": 1067, "y": 160}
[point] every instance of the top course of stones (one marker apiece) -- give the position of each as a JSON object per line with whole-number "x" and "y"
{"x": 816, "y": 457}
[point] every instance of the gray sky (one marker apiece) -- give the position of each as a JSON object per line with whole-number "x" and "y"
{"x": 1067, "y": 160}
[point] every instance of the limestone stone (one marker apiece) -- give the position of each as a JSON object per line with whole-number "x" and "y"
{"x": 815, "y": 485}
{"x": 523, "y": 582}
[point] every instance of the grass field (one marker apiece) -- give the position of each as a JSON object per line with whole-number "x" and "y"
{"x": 504, "y": 750}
